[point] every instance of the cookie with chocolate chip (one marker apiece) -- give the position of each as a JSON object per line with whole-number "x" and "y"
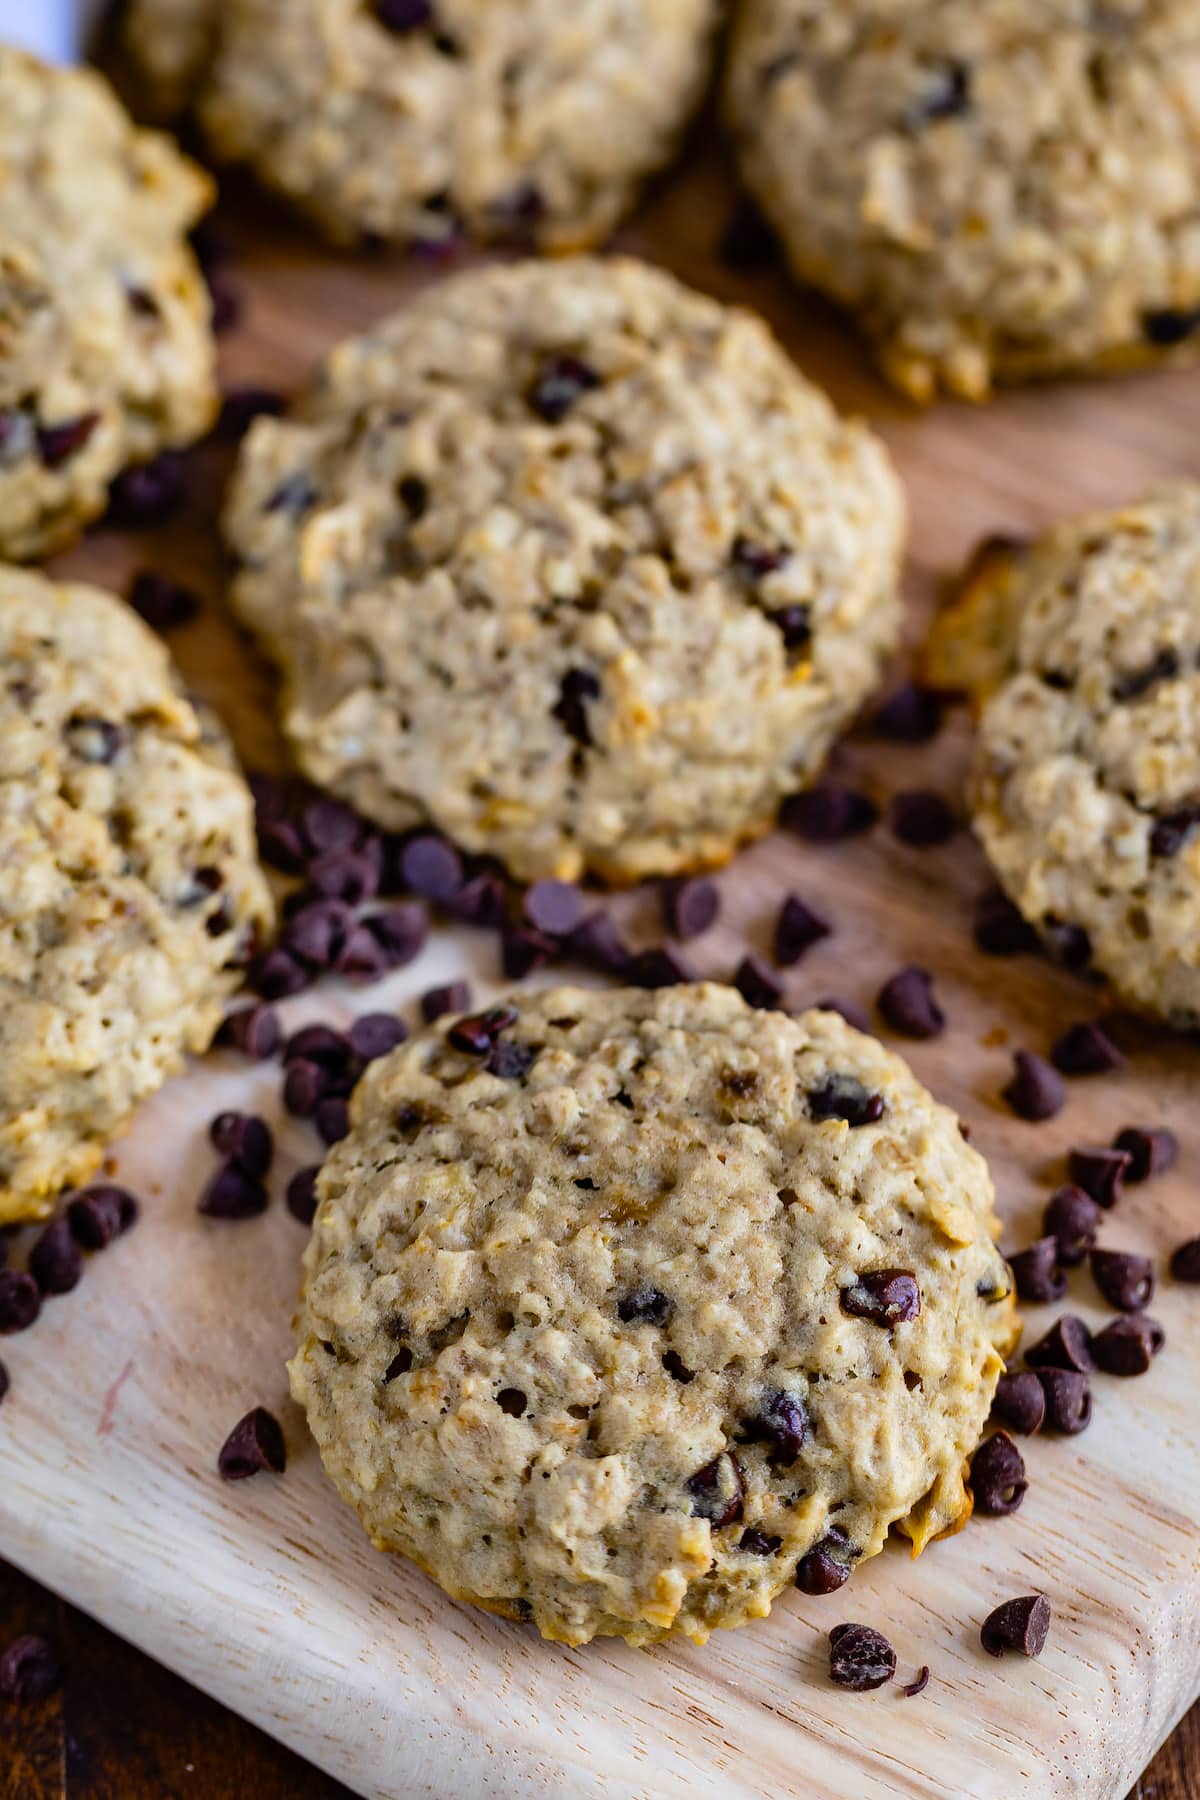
{"x": 1086, "y": 784}
{"x": 106, "y": 354}
{"x": 999, "y": 189}
{"x": 628, "y": 1332}
{"x": 572, "y": 562}
{"x": 130, "y": 894}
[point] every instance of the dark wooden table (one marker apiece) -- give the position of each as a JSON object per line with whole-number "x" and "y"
{"x": 122, "y": 1728}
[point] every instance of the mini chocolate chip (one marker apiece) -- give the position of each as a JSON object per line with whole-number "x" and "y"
{"x": 577, "y": 687}
{"x": 1017, "y": 1625}
{"x": 1164, "y": 327}
{"x": 332, "y": 1119}
{"x": 757, "y": 982}
{"x": 515, "y": 215}
{"x": 660, "y": 967}
{"x": 55, "y": 1262}
{"x": 645, "y": 1306}
{"x": 886, "y": 1297}
{"x": 1000, "y": 930}
{"x": 717, "y": 1490}
{"x": 512, "y": 1401}
{"x": 1036, "y": 1090}
{"x": 1086, "y": 1049}
{"x": 58, "y": 443}
{"x": 946, "y": 93}
{"x": 911, "y": 1689}
{"x": 400, "y": 932}
{"x": 689, "y": 905}
{"x": 431, "y": 867}
{"x": 1098, "y": 1171}
{"x": 149, "y": 492}
{"x": 301, "y": 1196}
{"x": 922, "y": 818}
{"x": 330, "y": 826}
{"x": 304, "y": 1087}
{"x": 1164, "y": 666}
{"x": 255, "y": 1443}
{"x": 374, "y": 1034}
{"x": 20, "y": 1301}
{"x": 1171, "y": 832}
{"x": 1067, "y": 1345}
{"x": 245, "y": 1139}
{"x": 1125, "y": 1280}
{"x": 452, "y": 997}
{"x": 553, "y": 907}
{"x": 1072, "y": 1218}
{"x": 523, "y": 950}
{"x": 911, "y": 715}
{"x": 29, "y": 1670}
{"x": 998, "y": 1476}
{"x": 826, "y": 1567}
{"x": 559, "y": 384}
{"x": 348, "y": 875}
{"x": 241, "y": 406}
{"x": 402, "y": 16}
{"x": 1037, "y": 1272}
{"x": 101, "y": 1213}
{"x": 845, "y": 1097}
{"x": 1068, "y": 1400}
{"x": 860, "y": 1658}
{"x": 1128, "y": 1345}
{"x": 797, "y": 929}
{"x": 316, "y": 932}
{"x": 362, "y": 957}
{"x": 747, "y": 243}
{"x": 276, "y": 975}
{"x": 254, "y": 1030}
{"x": 757, "y": 561}
{"x": 232, "y": 1194}
{"x": 476, "y": 1034}
{"x": 794, "y": 625}
{"x": 996, "y": 1287}
{"x": 294, "y": 496}
{"x": 907, "y": 1004}
{"x": 320, "y": 1044}
{"x": 758, "y": 1543}
{"x": 675, "y": 1366}
{"x": 1151, "y": 1150}
{"x": 479, "y": 901}
{"x": 782, "y": 1422}
{"x": 509, "y": 1060}
{"x": 829, "y": 812}
{"x": 1185, "y": 1261}
{"x": 281, "y": 845}
{"x": 1069, "y": 943}
{"x": 1020, "y": 1402}
{"x": 95, "y": 740}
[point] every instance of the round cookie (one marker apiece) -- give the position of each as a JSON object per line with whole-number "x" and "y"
{"x": 620, "y": 1306}
{"x": 1001, "y": 189}
{"x": 130, "y": 894}
{"x": 571, "y": 561}
{"x": 1087, "y": 771}
{"x": 106, "y": 355}
{"x": 523, "y": 120}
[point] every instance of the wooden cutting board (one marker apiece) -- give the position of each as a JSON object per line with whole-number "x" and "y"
{"x": 267, "y": 1595}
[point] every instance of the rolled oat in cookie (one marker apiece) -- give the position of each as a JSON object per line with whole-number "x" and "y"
{"x": 531, "y": 555}
{"x": 632, "y": 1338}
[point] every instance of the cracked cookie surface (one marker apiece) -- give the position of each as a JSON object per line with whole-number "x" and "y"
{"x": 620, "y": 1306}
{"x": 572, "y": 561}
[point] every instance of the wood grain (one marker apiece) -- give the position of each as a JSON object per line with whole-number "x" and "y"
{"x": 268, "y": 1596}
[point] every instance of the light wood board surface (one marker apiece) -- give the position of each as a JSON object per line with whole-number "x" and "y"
{"x": 267, "y": 1595}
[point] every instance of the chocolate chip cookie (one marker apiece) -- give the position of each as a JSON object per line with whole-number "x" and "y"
{"x": 1086, "y": 646}
{"x": 571, "y": 561}
{"x": 130, "y": 895}
{"x": 1001, "y": 189}
{"x": 625, "y": 1310}
{"x": 106, "y": 355}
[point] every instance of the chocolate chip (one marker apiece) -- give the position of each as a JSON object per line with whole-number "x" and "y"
{"x": 675, "y": 1366}
{"x": 717, "y": 1490}
{"x": 232, "y": 1194}
{"x": 320, "y": 1044}
{"x": 1017, "y": 1625}
{"x": 1020, "y": 1402}
{"x": 476, "y": 1034}
{"x": 100, "y": 1214}
{"x": 96, "y": 741}
{"x": 1128, "y": 1345}
{"x": 349, "y": 875}
{"x": 374, "y": 1034}
{"x": 826, "y": 1567}
{"x": 58, "y": 443}
{"x": 1125, "y": 1280}
{"x": 645, "y": 1306}
{"x": 29, "y": 1670}
{"x": 522, "y": 950}
{"x": 1067, "y": 1345}
{"x": 301, "y": 1195}
{"x": 1037, "y": 1272}
{"x": 886, "y": 1297}
{"x": 304, "y": 1087}
{"x": 660, "y": 967}
{"x": 998, "y": 1476}
{"x": 512, "y": 1401}
{"x": 860, "y": 1658}
{"x": 1068, "y": 1400}
{"x": 1070, "y": 944}
{"x": 227, "y": 306}
{"x": 1164, "y": 666}
{"x": 757, "y": 561}
{"x": 55, "y": 1262}
{"x": 911, "y": 1689}
{"x": 255, "y": 1443}
{"x": 400, "y": 932}
{"x": 150, "y": 492}
{"x": 241, "y": 406}
{"x": 479, "y": 901}
{"x": 515, "y": 215}
{"x": 1072, "y": 1218}
{"x": 781, "y": 1422}
{"x": 907, "y": 1004}
{"x": 561, "y": 381}
{"x": 829, "y": 812}
{"x": 689, "y": 905}
{"x": 758, "y": 1543}
{"x": 330, "y": 826}
{"x": 845, "y": 1097}
{"x": 577, "y": 687}
{"x": 1164, "y": 327}
{"x": 946, "y": 93}
{"x": 912, "y": 715}
{"x": 1098, "y": 1171}
{"x": 509, "y": 1060}
{"x": 1185, "y": 1262}
{"x": 1000, "y": 929}
{"x": 1086, "y": 1049}
{"x": 797, "y": 929}
{"x": 20, "y": 1301}
{"x": 1151, "y": 1151}
{"x": 254, "y": 1030}
{"x": 553, "y": 907}
{"x": 362, "y": 957}
{"x": 747, "y": 244}
{"x": 402, "y": 16}
{"x": 757, "y": 982}
{"x": 1171, "y": 832}
{"x": 316, "y": 932}
{"x": 281, "y": 845}
{"x": 452, "y": 997}
{"x": 332, "y": 1119}
{"x": 1036, "y": 1090}
{"x": 276, "y": 975}
{"x": 431, "y": 867}
{"x": 922, "y": 818}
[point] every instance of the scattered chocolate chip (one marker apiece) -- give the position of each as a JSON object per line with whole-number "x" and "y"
{"x": 254, "y": 1030}
{"x": 1072, "y": 1218}
{"x": 304, "y": 1087}
{"x": 452, "y": 997}
{"x": 522, "y": 950}
{"x": 794, "y": 625}
{"x": 479, "y": 901}
{"x": 717, "y": 1490}
{"x": 320, "y": 1044}
{"x": 886, "y": 1297}
{"x": 348, "y": 875}
{"x": 332, "y": 1119}
{"x": 1185, "y": 1262}
{"x": 281, "y": 845}
{"x": 912, "y": 715}
{"x": 1036, "y": 1090}
{"x": 55, "y": 1262}
{"x": 1068, "y": 1400}
{"x": 577, "y": 687}
{"x": 245, "y": 1139}
{"x": 826, "y": 1567}
{"x": 1151, "y": 1151}
{"x": 757, "y": 982}
{"x": 1128, "y": 1345}
{"x": 660, "y": 967}
{"x": 400, "y": 932}
{"x": 100, "y": 1214}
{"x": 645, "y": 1306}
{"x": 797, "y": 929}
{"x": 1037, "y": 1272}
{"x": 476, "y": 1034}
{"x": 998, "y": 1476}
{"x": 553, "y": 907}
{"x": 276, "y": 975}
{"x": 1099, "y": 1172}
{"x": 559, "y": 384}
{"x": 20, "y": 1301}
{"x": 781, "y": 1422}
{"x": 1067, "y": 1345}
{"x": 689, "y": 906}
{"x": 58, "y": 443}
{"x": 29, "y": 1670}
{"x": 757, "y": 561}
{"x": 1165, "y": 327}
{"x": 1017, "y": 1625}
{"x": 316, "y": 932}
{"x": 1070, "y": 944}
{"x": 845, "y": 1097}
{"x": 362, "y": 957}
{"x": 747, "y": 244}
{"x": 374, "y": 1034}
{"x": 1020, "y": 1402}
{"x": 907, "y": 1004}
{"x": 829, "y": 812}
{"x": 232, "y": 1194}
{"x": 1164, "y": 666}
{"x": 1125, "y": 1280}
{"x": 860, "y": 1658}
{"x": 431, "y": 867}
{"x": 301, "y": 1196}
{"x": 401, "y": 16}
{"x": 255, "y": 1443}
{"x": 509, "y": 1060}
{"x": 330, "y": 826}
{"x": 1086, "y": 1049}
{"x": 995, "y": 1287}
{"x": 758, "y": 1543}
{"x": 149, "y": 492}
{"x": 922, "y": 818}
{"x": 1000, "y": 929}
{"x": 241, "y": 406}
{"x": 911, "y": 1689}
{"x": 1170, "y": 833}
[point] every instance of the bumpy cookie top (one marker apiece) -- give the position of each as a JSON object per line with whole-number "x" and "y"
{"x": 129, "y": 890}
{"x": 619, "y": 1304}
{"x": 527, "y": 120}
{"x": 1087, "y": 775}
{"x": 1003, "y": 188}
{"x": 571, "y": 560}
